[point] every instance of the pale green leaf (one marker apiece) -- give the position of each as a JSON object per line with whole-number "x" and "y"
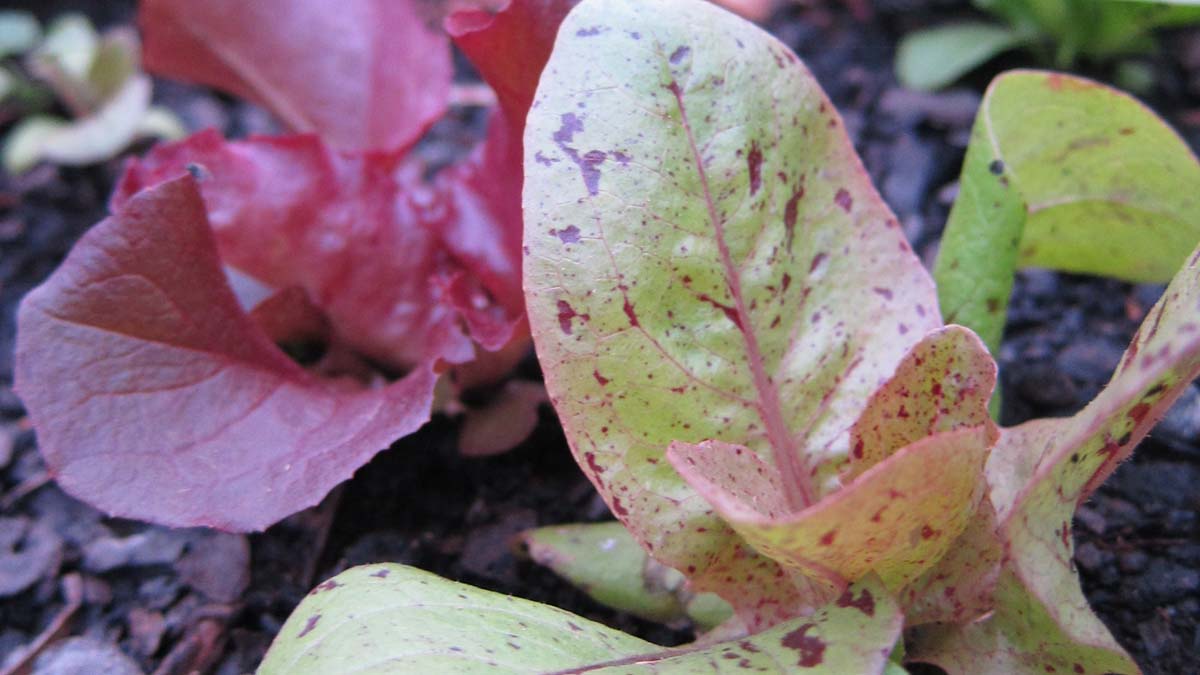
{"x": 394, "y": 619}
{"x": 605, "y": 562}
{"x": 1067, "y": 174}
{"x": 117, "y": 58}
{"x": 70, "y": 43}
{"x": 19, "y": 32}
{"x": 23, "y": 145}
{"x": 935, "y": 57}
{"x": 697, "y": 228}
{"x": 1020, "y": 638}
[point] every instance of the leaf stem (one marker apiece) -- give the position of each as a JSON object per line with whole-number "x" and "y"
{"x": 793, "y": 473}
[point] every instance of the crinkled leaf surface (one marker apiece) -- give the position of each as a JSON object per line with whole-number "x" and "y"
{"x": 289, "y": 211}
{"x": 1068, "y": 174}
{"x": 697, "y": 227}
{"x": 179, "y": 409}
{"x": 363, "y": 74}
{"x": 390, "y": 618}
{"x": 608, "y": 564}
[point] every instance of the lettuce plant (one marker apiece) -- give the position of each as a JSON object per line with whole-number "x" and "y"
{"x": 97, "y": 78}
{"x": 751, "y": 366}
{"x": 148, "y": 361}
{"x": 1062, "y": 30}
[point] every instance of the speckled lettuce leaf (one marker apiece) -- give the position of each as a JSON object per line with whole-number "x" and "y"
{"x": 1020, "y": 638}
{"x": 1068, "y": 174}
{"x": 390, "y": 618}
{"x": 697, "y": 225}
{"x": 607, "y": 563}
{"x": 1040, "y": 471}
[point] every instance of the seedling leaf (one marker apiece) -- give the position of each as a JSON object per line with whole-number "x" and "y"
{"x": 390, "y": 618}
{"x": 1064, "y": 173}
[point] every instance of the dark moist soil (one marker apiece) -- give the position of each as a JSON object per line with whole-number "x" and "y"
{"x": 146, "y": 599}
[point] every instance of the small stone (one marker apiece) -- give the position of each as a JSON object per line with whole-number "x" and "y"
{"x": 146, "y": 630}
{"x": 1181, "y": 425}
{"x": 29, "y": 552}
{"x": 84, "y": 656}
{"x": 216, "y": 564}
{"x": 488, "y": 551}
{"x": 1132, "y": 562}
{"x": 153, "y": 546}
{"x": 1091, "y": 519}
{"x": 1089, "y": 558}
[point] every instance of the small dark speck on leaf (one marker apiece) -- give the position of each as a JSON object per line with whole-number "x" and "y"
{"x": 844, "y": 200}
{"x": 996, "y": 167}
{"x": 680, "y": 54}
{"x": 311, "y": 624}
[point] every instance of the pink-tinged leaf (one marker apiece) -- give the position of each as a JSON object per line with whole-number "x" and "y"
{"x": 179, "y": 410}
{"x": 289, "y": 316}
{"x": 523, "y": 32}
{"x": 481, "y": 225}
{"x": 1020, "y": 638}
{"x": 959, "y": 587}
{"x": 1041, "y": 471}
{"x": 363, "y": 74}
{"x": 505, "y": 422}
{"x": 697, "y": 228}
{"x": 897, "y": 519}
{"x": 943, "y": 384}
{"x": 345, "y": 228}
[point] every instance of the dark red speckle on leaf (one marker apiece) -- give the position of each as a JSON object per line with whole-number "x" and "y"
{"x": 565, "y": 314}
{"x": 827, "y": 538}
{"x": 309, "y": 625}
{"x": 568, "y": 235}
{"x": 631, "y": 314}
{"x": 811, "y": 647}
{"x": 730, "y": 312}
{"x": 754, "y": 162}
{"x": 790, "y": 213}
{"x": 844, "y": 200}
{"x": 865, "y": 602}
{"x": 600, "y": 378}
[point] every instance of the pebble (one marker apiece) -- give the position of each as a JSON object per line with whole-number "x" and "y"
{"x": 153, "y": 546}
{"x": 30, "y": 551}
{"x": 216, "y": 564}
{"x": 84, "y": 656}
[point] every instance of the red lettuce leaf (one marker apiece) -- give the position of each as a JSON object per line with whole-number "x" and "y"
{"x": 363, "y": 74}
{"x": 180, "y": 410}
{"x": 346, "y": 228}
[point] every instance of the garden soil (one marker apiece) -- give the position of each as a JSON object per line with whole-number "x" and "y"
{"x": 125, "y": 597}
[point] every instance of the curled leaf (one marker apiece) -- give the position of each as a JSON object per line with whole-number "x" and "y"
{"x": 605, "y": 562}
{"x": 141, "y": 320}
{"x": 1068, "y": 174}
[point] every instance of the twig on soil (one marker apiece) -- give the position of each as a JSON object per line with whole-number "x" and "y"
{"x": 72, "y": 588}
